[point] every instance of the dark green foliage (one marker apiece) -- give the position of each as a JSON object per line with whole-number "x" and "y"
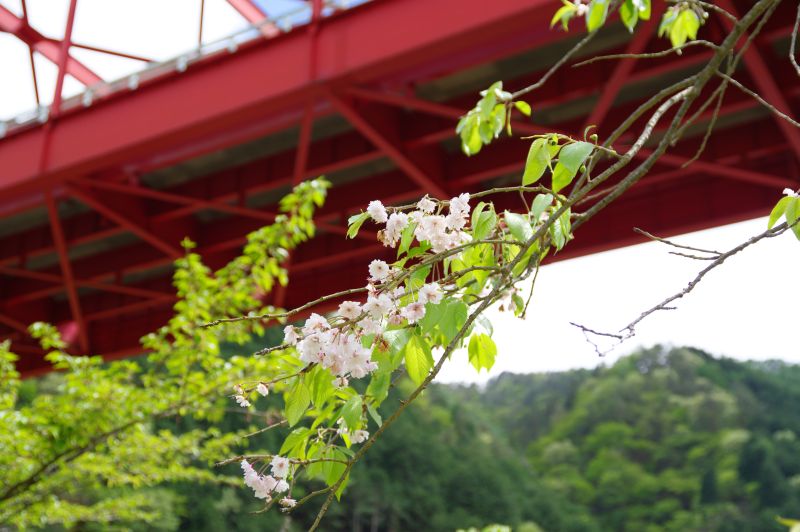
{"x": 667, "y": 440}
{"x": 664, "y": 440}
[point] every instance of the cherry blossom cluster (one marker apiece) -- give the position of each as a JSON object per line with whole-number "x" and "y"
{"x": 240, "y": 398}
{"x": 357, "y": 436}
{"x": 442, "y": 231}
{"x": 333, "y": 348}
{"x": 267, "y": 486}
{"x": 339, "y": 348}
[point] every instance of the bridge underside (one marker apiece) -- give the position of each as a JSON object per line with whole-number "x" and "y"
{"x": 93, "y": 204}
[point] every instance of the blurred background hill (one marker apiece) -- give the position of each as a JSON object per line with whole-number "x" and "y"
{"x": 665, "y": 439}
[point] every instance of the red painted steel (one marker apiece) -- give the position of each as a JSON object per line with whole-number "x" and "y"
{"x": 105, "y": 268}
{"x": 49, "y": 48}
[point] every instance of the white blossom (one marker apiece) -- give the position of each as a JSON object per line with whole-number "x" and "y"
{"x": 262, "y": 486}
{"x": 315, "y": 324}
{"x": 378, "y": 270}
{"x": 430, "y": 293}
{"x": 280, "y": 466}
{"x": 455, "y": 221}
{"x": 349, "y": 309}
{"x": 791, "y": 193}
{"x": 290, "y": 335}
{"x": 359, "y": 436}
{"x": 426, "y": 205}
{"x": 370, "y": 326}
{"x": 398, "y": 221}
{"x": 286, "y": 502}
{"x": 460, "y": 204}
{"x": 395, "y": 319}
{"x": 262, "y": 389}
{"x": 378, "y": 306}
{"x": 281, "y": 486}
{"x": 431, "y": 228}
{"x": 341, "y": 382}
{"x": 243, "y": 402}
{"x": 377, "y": 211}
{"x": 414, "y": 312}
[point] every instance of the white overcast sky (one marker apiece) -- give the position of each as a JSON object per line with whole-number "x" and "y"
{"x": 746, "y": 309}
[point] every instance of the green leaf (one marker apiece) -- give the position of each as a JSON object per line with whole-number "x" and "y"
{"x": 397, "y": 340}
{"x": 644, "y": 7}
{"x": 519, "y": 226}
{"x": 378, "y": 387}
{"x": 519, "y": 304}
{"x": 596, "y": 15}
{"x": 523, "y": 107}
{"x": 483, "y": 221}
{"x": 433, "y": 315}
{"x": 297, "y": 401}
{"x": 333, "y": 470}
{"x": 351, "y": 412}
{"x": 537, "y": 162}
{"x": 355, "y": 222}
{"x": 570, "y": 159}
{"x": 406, "y": 238}
{"x": 778, "y": 211}
{"x": 373, "y": 412}
{"x": 295, "y": 443}
{"x": 419, "y": 359}
{"x": 792, "y": 213}
{"x": 498, "y": 119}
{"x": 564, "y": 14}
{"x": 540, "y": 203}
{"x": 454, "y": 318}
{"x": 560, "y": 230}
{"x": 484, "y": 322}
{"x": 342, "y": 486}
{"x": 629, "y": 15}
{"x": 684, "y": 27}
{"x": 482, "y": 351}
{"x": 487, "y": 103}
{"x": 321, "y": 382}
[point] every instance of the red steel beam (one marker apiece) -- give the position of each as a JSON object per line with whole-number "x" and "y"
{"x": 111, "y": 52}
{"x": 14, "y": 324}
{"x": 402, "y": 160}
{"x": 49, "y": 48}
{"x": 200, "y": 100}
{"x": 352, "y": 155}
{"x": 468, "y": 176}
{"x": 668, "y": 159}
{"x": 303, "y": 143}
{"x": 253, "y": 14}
{"x": 63, "y": 58}
{"x": 623, "y": 69}
{"x": 195, "y": 203}
{"x": 765, "y": 81}
{"x": 51, "y": 278}
{"x": 66, "y": 271}
{"x": 131, "y": 225}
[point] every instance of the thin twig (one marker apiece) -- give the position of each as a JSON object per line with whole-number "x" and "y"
{"x": 286, "y": 314}
{"x": 793, "y": 45}
{"x": 653, "y": 55}
{"x": 673, "y": 244}
{"x": 774, "y": 110}
{"x": 564, "y": 59}
{"x": 629, "y": 331}
{"x": 769, "y": 233}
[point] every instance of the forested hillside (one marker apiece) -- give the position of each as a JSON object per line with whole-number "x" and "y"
{"x": 671, "y": 440}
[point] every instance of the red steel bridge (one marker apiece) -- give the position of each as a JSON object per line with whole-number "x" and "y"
{"x": 97, "y": 190}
